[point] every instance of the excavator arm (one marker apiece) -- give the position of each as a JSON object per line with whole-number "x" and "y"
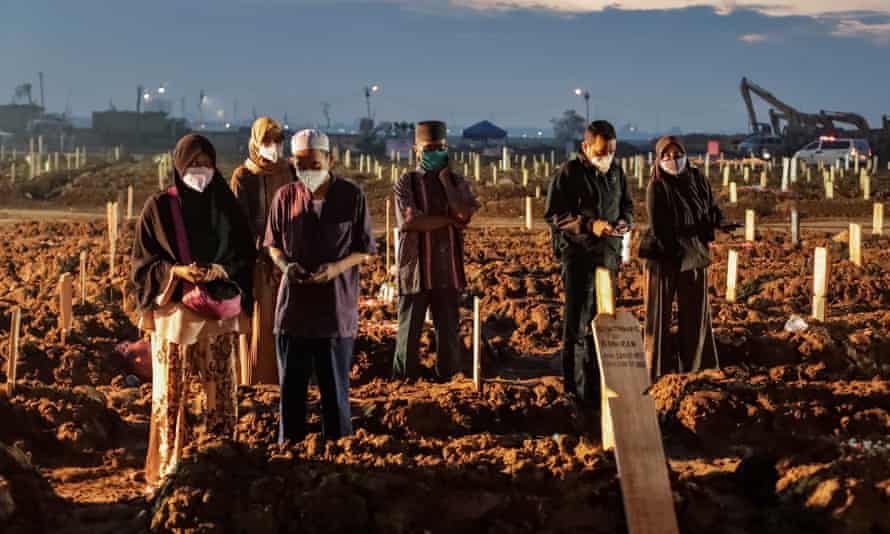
{"x": 856, "y": 120}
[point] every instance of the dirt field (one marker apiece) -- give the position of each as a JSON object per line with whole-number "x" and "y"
{"x": 791, "y": 435}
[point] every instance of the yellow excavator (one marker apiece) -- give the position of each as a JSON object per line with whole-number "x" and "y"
{"x": 796, "y": 128}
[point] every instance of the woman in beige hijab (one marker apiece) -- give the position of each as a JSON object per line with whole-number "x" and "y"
{"x": 254, "y": 184}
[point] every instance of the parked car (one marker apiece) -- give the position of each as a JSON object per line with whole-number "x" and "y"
{"x": 761, "y": 146}
{"x": 830, "y": 149}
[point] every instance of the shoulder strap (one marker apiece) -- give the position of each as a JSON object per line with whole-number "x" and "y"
{"x": 182, "y": 243}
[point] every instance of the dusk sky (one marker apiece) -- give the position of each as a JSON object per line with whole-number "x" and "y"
{"x": 656, "y": 63}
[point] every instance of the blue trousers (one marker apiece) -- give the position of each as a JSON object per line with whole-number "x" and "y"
{"x": 332, "y": 360}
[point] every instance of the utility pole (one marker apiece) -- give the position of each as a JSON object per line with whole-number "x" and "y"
{"x": 42, "y": 100}
{"x": 326, "y": 111}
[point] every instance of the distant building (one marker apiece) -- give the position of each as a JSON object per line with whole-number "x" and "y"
{"x": 137, "y": 129}
{"x": 16, "y": 118}
{"x": 486, "y": 137}
{"x": 486, "y": 134}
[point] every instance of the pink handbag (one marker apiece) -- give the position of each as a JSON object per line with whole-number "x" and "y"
{"x": 218, "y": 300}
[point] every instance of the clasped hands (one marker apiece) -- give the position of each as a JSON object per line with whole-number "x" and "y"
{"x": 198, "y": 274}
{"x": 601, "y": 228}
{"x": 324, "y": 274}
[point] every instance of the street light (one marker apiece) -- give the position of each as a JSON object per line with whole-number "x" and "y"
{"x": 369, "y": 90}
{"x": 586, "y": 95}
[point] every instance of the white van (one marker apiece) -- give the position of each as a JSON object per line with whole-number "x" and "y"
{"x": 830, "y": 149}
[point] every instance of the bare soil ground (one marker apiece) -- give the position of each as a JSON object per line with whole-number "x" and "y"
{"x": 790, "y": 435}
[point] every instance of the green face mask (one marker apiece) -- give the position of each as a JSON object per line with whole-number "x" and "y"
{"x": 435, "y": 160}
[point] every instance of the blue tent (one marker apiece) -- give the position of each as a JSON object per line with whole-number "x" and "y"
{"x": 483, "y": 131}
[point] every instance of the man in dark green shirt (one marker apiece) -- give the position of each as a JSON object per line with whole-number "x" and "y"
{"x": 589, "y": 208}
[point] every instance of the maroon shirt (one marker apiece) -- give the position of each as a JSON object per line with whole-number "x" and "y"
{"x": 310, "y": 239}
{"x": 429, "y": 260}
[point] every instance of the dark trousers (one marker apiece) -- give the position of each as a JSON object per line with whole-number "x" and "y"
{"x": 695, "y": 348}
{"x": 443, "y": 304}
{"x": 580, "y": 367}
{"x": 332, "y": 360}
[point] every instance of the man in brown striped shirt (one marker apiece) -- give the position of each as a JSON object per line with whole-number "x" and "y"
{"x": 433, "y": 206}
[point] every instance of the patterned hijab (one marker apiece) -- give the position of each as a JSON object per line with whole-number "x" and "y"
{"x": 265, "y": 128}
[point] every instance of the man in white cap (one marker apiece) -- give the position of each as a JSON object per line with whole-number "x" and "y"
{"x": 319, "y": 231}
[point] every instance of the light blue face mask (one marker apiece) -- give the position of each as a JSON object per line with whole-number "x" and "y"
{"x": 434, "y": 160}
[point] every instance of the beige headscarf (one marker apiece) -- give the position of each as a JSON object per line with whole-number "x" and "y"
{"x": 262, "y": 128}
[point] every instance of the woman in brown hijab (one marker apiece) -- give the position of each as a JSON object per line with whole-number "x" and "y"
{"x": 683, "y": 216}
{"x": 194, "y": 232}
{"x": 254, "y": 184}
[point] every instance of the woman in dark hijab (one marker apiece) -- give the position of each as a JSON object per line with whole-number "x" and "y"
{"x": 255, "y": 183}
{"x": 683, "y": 216}
{"x": 186, "y": 344}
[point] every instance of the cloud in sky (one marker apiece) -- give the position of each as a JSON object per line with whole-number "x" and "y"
{"x": 879, "y": 33}
{"x": 754, "y": 38}
{"x": 851, "y": 18}
{"x": 806, "y": 8}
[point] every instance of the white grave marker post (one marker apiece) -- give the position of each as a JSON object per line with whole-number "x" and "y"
{"x": 856, "y": 244}
{"x": 732, "y": 274}
{"x": 795, "y": 227}
{"x": 820, "y": 282}
{"x": 733, "y": 194}
{"x": 749, "y": 225}
{"x": 528, "y": 213}
{"x": 877, "y": 224}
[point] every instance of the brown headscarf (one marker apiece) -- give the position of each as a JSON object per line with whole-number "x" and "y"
{"x": 660, "y": 146}
{"x": 216, "y": 229}
{"x": 262, "y": 128}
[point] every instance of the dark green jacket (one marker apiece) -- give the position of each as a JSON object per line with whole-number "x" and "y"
{"x": 579, "y": 195}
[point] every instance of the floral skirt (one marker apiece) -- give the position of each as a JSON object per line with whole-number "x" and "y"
{"x": 183, "y": 376}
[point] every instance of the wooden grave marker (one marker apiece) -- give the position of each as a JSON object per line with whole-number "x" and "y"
{"x": 477, "y": 346}
{"x": 629, "y": 419}
{"x": 83, "y": 277}
{"x": 15, "y": 332}
{"x": 66, "y": 293}
{"x": 388, "y": 236}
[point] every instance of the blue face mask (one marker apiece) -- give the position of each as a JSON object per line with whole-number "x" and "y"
{"x": 434, "y": 160}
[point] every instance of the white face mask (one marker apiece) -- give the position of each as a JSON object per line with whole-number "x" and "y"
{"x": 198, "y": 178}
{"x": 673, "y": 166}
{"x": 270, "y": 152}
{"x": 313, "y": 178}
{"x": 603, "y": 163}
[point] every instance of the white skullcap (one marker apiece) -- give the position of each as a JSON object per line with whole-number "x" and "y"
{"x": 308, "y": 140}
